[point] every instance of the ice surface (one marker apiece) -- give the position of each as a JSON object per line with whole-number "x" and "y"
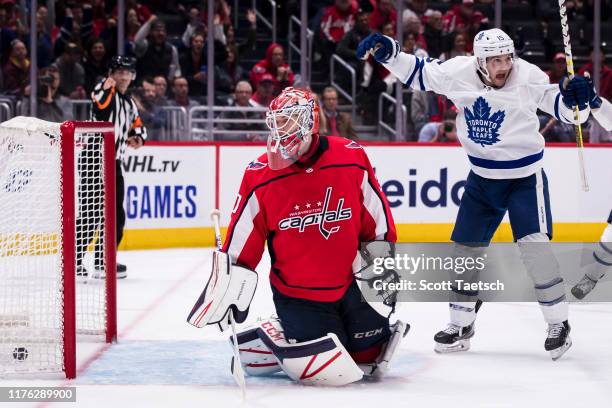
{"x": 161, "y": 361}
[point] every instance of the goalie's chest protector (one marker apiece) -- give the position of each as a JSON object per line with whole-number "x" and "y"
{"x": 313, "y": 217}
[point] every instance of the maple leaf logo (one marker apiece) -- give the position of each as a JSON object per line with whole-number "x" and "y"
{"x": 483, "y": 128}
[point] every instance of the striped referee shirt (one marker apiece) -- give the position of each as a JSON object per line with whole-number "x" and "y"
{"x": 112, "y": 106}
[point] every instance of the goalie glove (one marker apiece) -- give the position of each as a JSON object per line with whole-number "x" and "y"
{"x": 372, "y": 272}
{"x": 229, "y": 287}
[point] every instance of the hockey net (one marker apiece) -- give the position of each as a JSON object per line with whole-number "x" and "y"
{"x": 57, "y": 221}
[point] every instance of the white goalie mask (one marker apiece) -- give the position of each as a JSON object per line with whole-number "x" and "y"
{"x": 292, "y": 119}
{"x": 491, "y": 43}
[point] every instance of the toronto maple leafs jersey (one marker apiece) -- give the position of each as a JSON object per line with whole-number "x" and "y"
{"x": 603, "y": 115}
{"x": 498, "y": 128}
{"x": 313, "y": 216}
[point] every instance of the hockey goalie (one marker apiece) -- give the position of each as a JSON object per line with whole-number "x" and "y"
{"x": 314, "y": 200}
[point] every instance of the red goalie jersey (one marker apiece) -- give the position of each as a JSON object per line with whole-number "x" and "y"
{"x": 313, "y": 216}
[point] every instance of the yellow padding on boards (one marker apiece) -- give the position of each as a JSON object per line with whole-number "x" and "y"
{"x": 201, "y": 237}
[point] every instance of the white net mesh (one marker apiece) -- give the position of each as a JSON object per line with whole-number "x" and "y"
{"x": 31, "y": 264}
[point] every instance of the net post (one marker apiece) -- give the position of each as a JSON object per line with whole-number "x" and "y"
{"x": 68, "y": 246}
{"x": 110, "y": 235}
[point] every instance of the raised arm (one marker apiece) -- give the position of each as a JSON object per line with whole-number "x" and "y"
{"x": 423, "y": 74}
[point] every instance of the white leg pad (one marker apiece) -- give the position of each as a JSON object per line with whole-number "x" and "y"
{"x": 323, "y": 361}
{"x": 255, "y": 356}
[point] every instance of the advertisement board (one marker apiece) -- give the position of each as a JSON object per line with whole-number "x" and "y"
{"x": 170, "y": 190}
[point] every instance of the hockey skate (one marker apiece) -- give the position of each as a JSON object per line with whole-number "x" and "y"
{"x": 454, "y": 338}
{"x": 558, "y": 340}
{"x": 381, "y": 366}
{"x": 584, "y": 287}
{"x": 98, "y": 272}
{"x": 81, "y": 274}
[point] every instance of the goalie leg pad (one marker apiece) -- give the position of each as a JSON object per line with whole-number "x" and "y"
{"x": 229, "y": 287}
{"x": 256, "y": 358}
{"x": 322, "y": 361}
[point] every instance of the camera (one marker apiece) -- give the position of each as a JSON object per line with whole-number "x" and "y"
{"x": 448, "y": 126}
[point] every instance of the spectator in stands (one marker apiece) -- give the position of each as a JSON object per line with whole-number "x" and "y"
{"x": 150, "y": 109}
{"x": 161, "y": 89}
{"x": 222, "y": 12}
{"x": 459, "y": 48}
{"x": 6, "y": 37}
{"x": 132, "y": 23}
{"x": 77, "y": 27}
{"x": 51, "y": 106}
{"x": 337, "y": 123}
{"x": 194, "y": 67}
{"x": 143, "y": 14}
{"x": 95, "y": 64}
{"x": 410, "y": 46}
{"x": 441, "y": 132}
{"x": 416, "y": 8}
{"x": 156, "y": 56}
{"x": 196, "y": 25}
{"x": 433, "y": 33}
{"x": 557, "y": 69}
{"x": 347, "y": 47}
{"x": 413, "y": 26}
{"x": 427, "y": 107}
{"x": 72, "y": 73}
{"x": 265, "y": 91}
{"x": 605, "y": 76}
{"x": 463, "y": 18}
{"x": 383, "y": 13}
{"x": 9, "y": 17}
{"x": 275, "y": 65}
{"x": 44, "y": 53}
{"x": 16, "y": 71}
{"x": 180, "y": 94}
{"x": 248, "y": 44}
{"x": 337, "y": 20}
{"x": 242, "y": 98}
{"x": 232, "y": 69}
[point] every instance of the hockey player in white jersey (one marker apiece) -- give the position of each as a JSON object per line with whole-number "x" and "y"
{"x": 497, "y": 96}
{"x": 602, "y": 255}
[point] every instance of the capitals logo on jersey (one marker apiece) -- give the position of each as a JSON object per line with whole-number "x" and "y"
{"x": 256, "y": 165}
{"x": 483, "y": 128}
{"x": 318, "y": 216}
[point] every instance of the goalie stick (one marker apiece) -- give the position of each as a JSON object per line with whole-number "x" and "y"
{"x": 236, "y": 366}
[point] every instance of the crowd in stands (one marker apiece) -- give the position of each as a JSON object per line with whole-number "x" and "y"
{"x": 76, "y": 40}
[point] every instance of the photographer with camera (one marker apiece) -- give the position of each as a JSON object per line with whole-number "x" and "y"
{"x": 441, "y": 132}
{"x": 51, "y": 105}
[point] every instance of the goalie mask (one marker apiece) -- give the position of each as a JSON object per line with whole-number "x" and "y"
{"x": 293, "y": 119}
{"x": 491, "y": 43}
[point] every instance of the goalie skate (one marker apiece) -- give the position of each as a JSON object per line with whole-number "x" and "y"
{"x": 381, "y": 366}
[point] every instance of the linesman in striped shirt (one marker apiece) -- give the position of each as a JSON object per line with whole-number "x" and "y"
{"x": 111, "y": 103}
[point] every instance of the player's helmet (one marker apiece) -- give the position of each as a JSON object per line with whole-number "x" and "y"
{"x": 123, "y": 62}
{"x": 491, "y": 43}
{"x": 293, "y": 118}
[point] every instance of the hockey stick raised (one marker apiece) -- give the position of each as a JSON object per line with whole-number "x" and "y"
{"x": 236, "y": 366}
{"x": 570, "y": 72}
